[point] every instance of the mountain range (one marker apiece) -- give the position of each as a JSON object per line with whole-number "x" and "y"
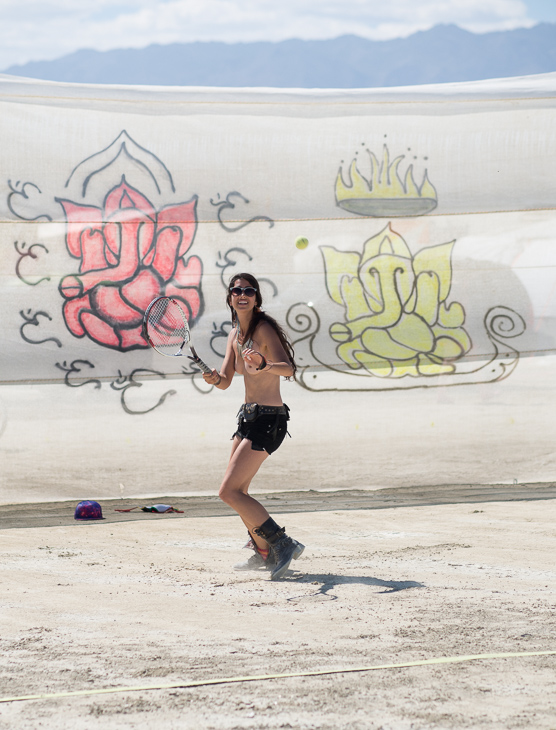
{"x": 442, "y": 54}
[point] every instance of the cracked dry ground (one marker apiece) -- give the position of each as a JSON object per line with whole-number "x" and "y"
{"x": 151, "y": 602}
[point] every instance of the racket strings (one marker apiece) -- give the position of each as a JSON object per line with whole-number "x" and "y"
{"x": 166, "y": 326}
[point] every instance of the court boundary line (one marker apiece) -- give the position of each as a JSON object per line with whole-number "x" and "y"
{"x": 287, "y": 675}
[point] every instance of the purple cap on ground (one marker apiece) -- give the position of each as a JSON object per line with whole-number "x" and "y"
{"x": 88, "y": 510}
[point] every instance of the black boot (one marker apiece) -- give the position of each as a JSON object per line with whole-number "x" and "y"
{"x": 282, "y": 547}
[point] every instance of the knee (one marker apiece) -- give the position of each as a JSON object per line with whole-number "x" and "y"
{"x": 228, "y": 494}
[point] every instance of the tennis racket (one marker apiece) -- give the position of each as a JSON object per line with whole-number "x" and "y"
{"x": 166, "y": 329}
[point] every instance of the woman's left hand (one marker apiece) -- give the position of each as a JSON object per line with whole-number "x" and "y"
{"x": 252, "y": 359}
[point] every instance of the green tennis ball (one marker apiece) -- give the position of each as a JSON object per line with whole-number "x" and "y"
{"x": 301, "y": 243}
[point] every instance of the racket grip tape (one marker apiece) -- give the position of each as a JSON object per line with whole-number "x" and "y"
{"x": 204, "y": 367}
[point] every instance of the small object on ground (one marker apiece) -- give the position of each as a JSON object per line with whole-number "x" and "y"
{"x": 160, "y": 508}
{"x": 88, "y": 510}
{"x": 301, "y": 242}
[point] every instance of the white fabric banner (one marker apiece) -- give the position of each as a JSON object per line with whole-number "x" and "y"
{"x": 429, "y": 261}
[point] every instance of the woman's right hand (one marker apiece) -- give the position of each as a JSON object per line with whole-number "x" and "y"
{"x": 212, "y": 378}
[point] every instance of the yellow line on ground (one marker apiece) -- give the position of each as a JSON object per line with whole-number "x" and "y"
{"x": 261, "y": 677}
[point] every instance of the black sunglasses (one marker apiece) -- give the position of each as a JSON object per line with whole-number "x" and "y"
{"x": 237, "y": 291}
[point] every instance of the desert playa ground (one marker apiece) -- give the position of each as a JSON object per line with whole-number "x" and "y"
{"x": 142, "y": 603}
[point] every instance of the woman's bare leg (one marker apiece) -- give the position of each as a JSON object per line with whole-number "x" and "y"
{"x": 243, "y": 465}
{"x": 259, "y": 542}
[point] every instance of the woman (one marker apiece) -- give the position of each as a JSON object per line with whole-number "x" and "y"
{"x": 259, "y": 350}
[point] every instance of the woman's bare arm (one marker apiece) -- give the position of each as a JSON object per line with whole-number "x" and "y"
{"x": 271, "y": 351}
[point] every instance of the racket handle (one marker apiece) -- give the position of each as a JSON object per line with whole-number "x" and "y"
{"x": 204, "y": 367}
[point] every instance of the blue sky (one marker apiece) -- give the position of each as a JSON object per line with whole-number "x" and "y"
{"x": 542, "y": 10}
{"x": 47, "y": 29}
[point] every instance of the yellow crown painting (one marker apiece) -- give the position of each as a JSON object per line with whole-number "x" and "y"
{"x": 385, "y": 195}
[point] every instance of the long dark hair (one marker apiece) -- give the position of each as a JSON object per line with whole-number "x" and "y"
{"x": 259, "y": 316}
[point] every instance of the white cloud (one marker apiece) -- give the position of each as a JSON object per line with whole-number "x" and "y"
{"x": 45, "y": 29}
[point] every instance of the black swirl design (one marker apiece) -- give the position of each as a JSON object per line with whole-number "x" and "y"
{"x": 229, "y": 205}
{"x": 20, "y": 248}
{"x": 303, "y": 320}
{"x": 72, "y": 368}
{"x": 219, "y": 337}
{"x": 231, "y": 260}
{"x": 19, "y": 189}
{"x": 32, "y": 319}
{"x": 504, "y": 322}
{"x": 123, "y": 383}
{"x": 193, "y": 371}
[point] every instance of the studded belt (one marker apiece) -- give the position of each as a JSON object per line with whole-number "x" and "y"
{"x": 273, "y": 410}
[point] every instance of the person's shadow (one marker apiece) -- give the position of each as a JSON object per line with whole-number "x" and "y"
{"x": 328, "y": 582}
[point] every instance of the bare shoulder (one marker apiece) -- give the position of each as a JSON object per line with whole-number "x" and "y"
{"x": 265, "y": 333}
{"x": 269, "y": 342}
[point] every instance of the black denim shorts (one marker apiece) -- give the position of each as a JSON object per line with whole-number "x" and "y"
{"x": 267, "y": 431}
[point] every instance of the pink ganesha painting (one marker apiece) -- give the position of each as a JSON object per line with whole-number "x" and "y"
{"x": 130, "y": 254}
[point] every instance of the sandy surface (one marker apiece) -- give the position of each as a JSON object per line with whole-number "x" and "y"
{"x": 143, "y": 602}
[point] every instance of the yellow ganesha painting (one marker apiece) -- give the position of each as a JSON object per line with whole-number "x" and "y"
{"x": 397, "y": 318}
